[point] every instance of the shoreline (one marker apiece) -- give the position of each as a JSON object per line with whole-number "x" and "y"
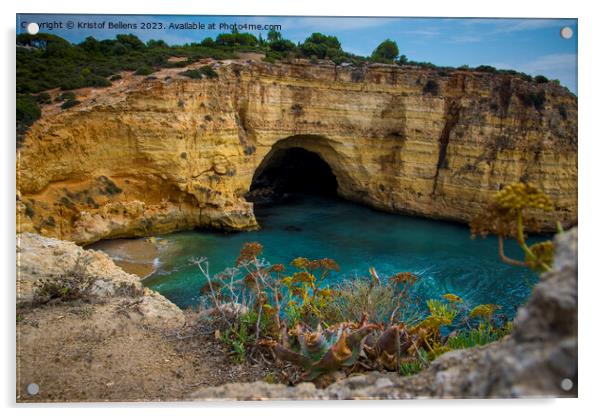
{"x": 139, "y": 256}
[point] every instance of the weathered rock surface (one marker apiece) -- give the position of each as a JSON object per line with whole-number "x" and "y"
{"x": 116, "y": 342}
{"x": 46, "y": 258}
{"x": 530, "y": 362}
{"x": 150, "y": 156}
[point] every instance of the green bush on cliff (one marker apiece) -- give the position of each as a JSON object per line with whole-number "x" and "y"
{"x": 46, "y": 61}
{"x": 208, "y": 71}
{"x": 204, "y": 71}
{"x": 236, "y": 39}
{"x": 386, "y": 52}
{"x": 65, "y": 96}
{"x": 28, "y": 111}
{"x": 282, "y": 45}
{"x": 144, "y": 70}
{"x": 69, "y": 103}
{"x": 43, "y": 98}
{"x": 321, "y": 46}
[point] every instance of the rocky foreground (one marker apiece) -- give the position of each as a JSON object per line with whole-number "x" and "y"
{"x": 115, "y": 340}
{"x": 533, "y": 361}
{"x": 124, "y": 342}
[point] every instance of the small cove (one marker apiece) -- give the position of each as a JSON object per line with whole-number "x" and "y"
{"x": 357, "y": 237}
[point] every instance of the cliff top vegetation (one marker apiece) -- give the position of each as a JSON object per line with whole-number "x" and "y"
{"x": 46, "y": 61}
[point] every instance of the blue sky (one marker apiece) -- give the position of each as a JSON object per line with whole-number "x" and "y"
{"x": 533, "y": 46}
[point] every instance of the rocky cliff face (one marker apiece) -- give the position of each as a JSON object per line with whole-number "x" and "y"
{"x": 49, "y": 259}
{"x": 156, "y": 155}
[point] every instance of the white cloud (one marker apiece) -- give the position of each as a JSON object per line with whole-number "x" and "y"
{"x": 465, "y": 39}
{"x": 424, "y": 33}
{"x": 552, "y": 63}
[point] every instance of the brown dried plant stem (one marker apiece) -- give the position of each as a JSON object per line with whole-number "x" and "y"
{"x": 503, "y": 256}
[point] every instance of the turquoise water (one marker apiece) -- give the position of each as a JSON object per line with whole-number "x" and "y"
{"x": 357, "y": 237}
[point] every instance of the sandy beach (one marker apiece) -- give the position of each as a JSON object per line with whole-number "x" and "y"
{"x": 134, "y": 255}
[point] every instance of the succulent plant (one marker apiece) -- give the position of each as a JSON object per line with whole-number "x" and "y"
{"x": 386, "y": 351}
{"x": 323, "y": 350}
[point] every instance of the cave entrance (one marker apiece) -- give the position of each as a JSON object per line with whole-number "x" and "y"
{"x": 291, "y": 171}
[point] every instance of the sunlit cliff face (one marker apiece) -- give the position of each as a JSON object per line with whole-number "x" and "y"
{"x": 152, "y": 156}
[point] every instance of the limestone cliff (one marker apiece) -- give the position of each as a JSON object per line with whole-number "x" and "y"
{"x": 155, "y": 155}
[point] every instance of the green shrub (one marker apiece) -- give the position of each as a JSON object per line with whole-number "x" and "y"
{"x": 236, "y": 39}
{"x": 382, "y": 303}
{"x": 425, "y": 65}
{"x": 282, "y": 45}
{"x": 66, "y": 96}
{"x": 115, "y": 77}
{"x": 29, "y": 210}
{"x": 177, "y": 64}
{"x": 241, "y": 336}
{"x": 67, "y": 287}
{"x": 43, "y": 98}
{"x": 69, "y": 103}
{"x": 409, "y": 367}
{"x": 386, "y": 52}
{"x": 28, "y": 111}
{"x": 206, "y": 71}
{"x": 540, "y": 79}
{"x": 96, "y": 81}
{"x": 483, "y": 334}
{"x": 192, "y": 73}
{"x": 321, "y": 46}
{"x": 271, "y": 57}
{"x": 486, "y": 68}
{"x": 144, "y": 70}
{"x": 208, "y": 42}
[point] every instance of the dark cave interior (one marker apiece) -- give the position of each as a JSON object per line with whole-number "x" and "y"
{"x": 291, "y": 171}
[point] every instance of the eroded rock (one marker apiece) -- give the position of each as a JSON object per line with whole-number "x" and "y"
{"x": 50, "y": 259}
{"x": 132, "y": 161}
